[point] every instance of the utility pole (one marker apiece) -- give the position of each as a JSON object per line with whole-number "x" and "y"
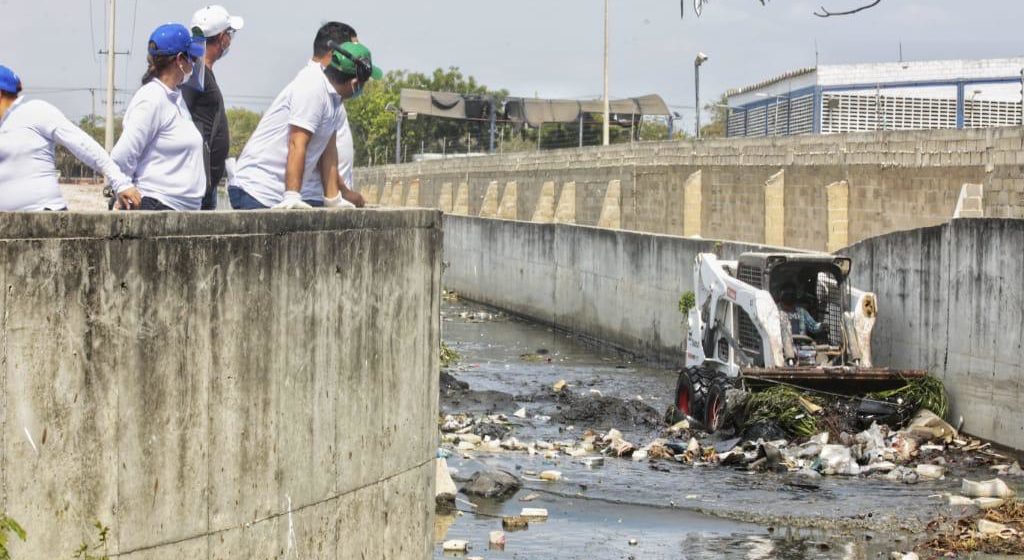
{"x": 607, "y": 105}
{"x": 108, "y": 139}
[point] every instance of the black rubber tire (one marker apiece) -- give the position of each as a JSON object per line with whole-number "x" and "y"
{"x": 715, "y": 404}
{"x": 686, "y": 399}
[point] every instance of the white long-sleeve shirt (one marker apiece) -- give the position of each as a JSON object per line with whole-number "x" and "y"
{"x": 161, "y": 149}
{"x": 309, "y": 102}
{"x": 312, "y": 187}
{"x": 29, "y": 133}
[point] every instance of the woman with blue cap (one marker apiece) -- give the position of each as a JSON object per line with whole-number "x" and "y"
{"x": 160, "y": 147}
{"x": 30, "y": 130}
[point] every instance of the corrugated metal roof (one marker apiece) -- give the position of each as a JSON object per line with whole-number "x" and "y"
{"x": 781, "y": 77}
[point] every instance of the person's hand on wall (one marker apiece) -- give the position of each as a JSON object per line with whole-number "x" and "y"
{"x": 354, "y": 198}
{"x": 292, "y": 201}
{"x": 129, "y": 199}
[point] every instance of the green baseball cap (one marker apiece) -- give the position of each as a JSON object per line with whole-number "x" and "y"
{"x": 355, "y": 59}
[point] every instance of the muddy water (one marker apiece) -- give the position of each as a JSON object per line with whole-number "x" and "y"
{"x": 686, "y": 512}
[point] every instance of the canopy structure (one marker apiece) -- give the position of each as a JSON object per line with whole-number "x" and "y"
{"x": 445, "y": 104}
{"x": 534, "y": 112}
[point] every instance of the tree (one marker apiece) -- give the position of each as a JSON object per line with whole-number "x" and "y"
{"x": 241, "y": 124}
{"x": 373, "y": 125}
{"x": 719, "y": 118}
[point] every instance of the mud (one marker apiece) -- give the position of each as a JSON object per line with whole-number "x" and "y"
{"x": 600, "y": 412}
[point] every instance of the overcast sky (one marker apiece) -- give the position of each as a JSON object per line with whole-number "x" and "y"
{"x": 551, "y": 48}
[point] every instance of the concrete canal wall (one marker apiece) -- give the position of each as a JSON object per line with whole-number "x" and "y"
{"x": 815, "y": 192}
{"x": 951, "y": 297}
{"x": 221, "y": 386}
{"x": 951, "y": 300}
{"x": 615, "y": 286}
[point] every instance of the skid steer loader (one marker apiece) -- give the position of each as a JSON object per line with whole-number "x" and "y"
{"x": 748, "y": 328}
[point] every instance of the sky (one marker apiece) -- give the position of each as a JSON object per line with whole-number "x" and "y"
{"x": 548, "y": 48}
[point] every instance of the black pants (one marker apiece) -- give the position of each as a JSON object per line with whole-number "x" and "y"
{"x": 153, "y": 204}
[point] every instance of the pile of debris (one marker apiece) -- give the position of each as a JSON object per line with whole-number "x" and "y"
{"x": 994, "y": 526}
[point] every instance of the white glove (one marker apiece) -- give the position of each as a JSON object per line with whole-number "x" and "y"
{"x": 337, "y": 202}
{"x": 292, "y": 201}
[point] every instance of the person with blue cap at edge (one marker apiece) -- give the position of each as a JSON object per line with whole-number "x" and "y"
{"x": 160, "y": 147}
{"x": 297, "y": 136}
{"x": 30, "y": 130}
{"x": 206, "y": 103}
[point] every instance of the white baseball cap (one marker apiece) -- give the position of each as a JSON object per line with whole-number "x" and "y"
{"x": 215, "y": 19}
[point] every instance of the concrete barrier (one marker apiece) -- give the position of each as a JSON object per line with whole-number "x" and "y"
{"x": 618, "y": 287}
{"x": 895, "y": 180}
{"x": 950, "y": 301}
{"x": 221, "y": 385}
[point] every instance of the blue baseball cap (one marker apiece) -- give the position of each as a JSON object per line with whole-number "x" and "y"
{"x": 9, "y": 81}
{"x": 175, "y": 38}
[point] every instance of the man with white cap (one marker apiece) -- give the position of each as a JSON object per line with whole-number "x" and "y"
{"x": 205, "y": 100}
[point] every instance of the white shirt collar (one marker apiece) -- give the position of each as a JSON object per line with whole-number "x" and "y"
{"x": 173, "y": 94}
{"x": 10, "y": 110}
{"x": 327, "y": 83}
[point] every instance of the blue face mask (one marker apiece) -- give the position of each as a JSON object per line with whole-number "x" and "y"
{"x": 357, "y": 92}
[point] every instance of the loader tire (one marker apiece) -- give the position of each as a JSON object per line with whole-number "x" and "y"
{"x": 715, "y": 405}
{"x": 686, "y": 399}
{"x": 692, "y": 391}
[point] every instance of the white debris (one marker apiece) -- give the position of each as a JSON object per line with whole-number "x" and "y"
{"x": 930, "y": 472}
{"x": 551, "y": 476}
{"x": 994, "y": 488}
{"x": 534, "y": 513}
{"x": 521, "y": 413}
{"x": 455, "y": 546}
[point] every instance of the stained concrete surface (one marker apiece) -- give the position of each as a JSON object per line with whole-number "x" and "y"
{"x": 217, "y": 385}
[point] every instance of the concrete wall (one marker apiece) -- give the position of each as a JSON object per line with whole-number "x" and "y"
{"x": 615, "y": 286}
{"x": 950, "y": 301}
{"x": 895, "y": 181}
{"x": 220, "y": 386}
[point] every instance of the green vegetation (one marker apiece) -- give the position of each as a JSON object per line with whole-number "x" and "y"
{"x": 8, "y": 526}
{"x": 448, "y": 356}
{"x": 373, "y": 126}
{"x": 781, "y": 404}
{"x": 927, "y": 392}
{"x": 687, "y": 301}
{"x": 97, "y": 551}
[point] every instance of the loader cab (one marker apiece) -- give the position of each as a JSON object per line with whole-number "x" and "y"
{"x": 817, "y": 283}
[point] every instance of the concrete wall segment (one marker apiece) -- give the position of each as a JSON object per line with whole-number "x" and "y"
{"x": 189, "y": 373}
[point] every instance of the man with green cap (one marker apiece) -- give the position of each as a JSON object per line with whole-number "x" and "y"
{"x": 297, "y": 136}
{"x": 333, "y": 35}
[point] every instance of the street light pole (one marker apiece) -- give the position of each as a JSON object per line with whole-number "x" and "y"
{"x": 607, "y": 104}
{"x": 697, "y": 62}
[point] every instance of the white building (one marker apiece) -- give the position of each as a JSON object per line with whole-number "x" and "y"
{"x": 884, "y": 96}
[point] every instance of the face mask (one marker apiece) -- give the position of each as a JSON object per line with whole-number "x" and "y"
{"x": 357, "y": 91}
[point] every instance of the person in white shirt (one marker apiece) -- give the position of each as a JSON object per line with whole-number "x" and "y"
{"x": 296, "y": 138}
{"x": 30, "y": 130}
{"x": 337, "y": 33}
{"x": 160, "y": 147}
